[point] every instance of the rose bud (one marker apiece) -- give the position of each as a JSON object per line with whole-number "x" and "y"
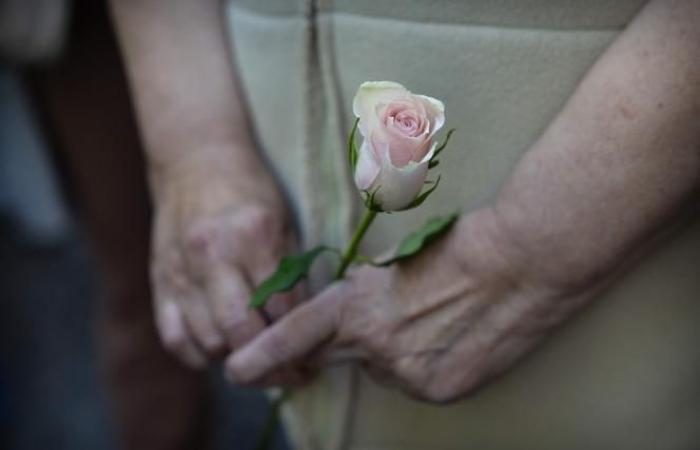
{"x": 398, "y": 128}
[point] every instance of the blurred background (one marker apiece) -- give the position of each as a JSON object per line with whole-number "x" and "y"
{"x": 80, "y": 366}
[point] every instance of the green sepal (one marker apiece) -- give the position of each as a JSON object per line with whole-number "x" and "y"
{"x": 422, "y": 197}
{"x": 352, "y": 147}
{"x": 364, "y": 259}
{"x": 369, "y": 201}
{"x": 441, "y": 147}
{"x": 418, "y": 240}
{"x": 290, "y": 271}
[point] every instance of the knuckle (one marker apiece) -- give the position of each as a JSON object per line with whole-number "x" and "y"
{"x": 348, "y": 304}
{"x": 167, "y": 271}
{"x": 378, "y": 339}
{"x": 171, "y": 282}
{"x": 229, "y": 324}
{"x": 202, "y": 240}
{"x": 253, "y": 218}
{"x": 259, "y": 223}
{"x": 376, "y": 333}
{"x": 211, "y": 239}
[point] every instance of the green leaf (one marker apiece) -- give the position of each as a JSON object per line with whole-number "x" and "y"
{"x": 442, "y": 146}
{"x": 433, "y": 163}
{"x": 421, "y": 198}
{"x": 418, "y": 240}
{"x": 291, "y": 270}
{"x": 352, "y": 147}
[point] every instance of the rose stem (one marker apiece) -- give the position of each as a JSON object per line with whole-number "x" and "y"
{"x": 272, "y": 420}
{"x": 348, "y": 256}
{"x": 351, "y": 250}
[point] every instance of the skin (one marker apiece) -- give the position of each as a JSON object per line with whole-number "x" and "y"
{"x": 617, "y": 167}
{"x": 221, "y": 224}
{"x": 580, "y": 207}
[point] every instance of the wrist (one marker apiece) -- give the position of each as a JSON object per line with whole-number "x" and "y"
{"x": 495, "y": 248}
{"x": 484, "y": 248}
{"x": 236, "y": 171}
{"x": 500, "y": 268}
{"x": 543, "y": 256}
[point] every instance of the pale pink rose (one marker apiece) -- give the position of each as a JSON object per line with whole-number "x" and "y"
{"x": 398, "y": 129}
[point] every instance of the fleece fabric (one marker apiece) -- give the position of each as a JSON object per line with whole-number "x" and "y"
{"x": 624, "y": 373}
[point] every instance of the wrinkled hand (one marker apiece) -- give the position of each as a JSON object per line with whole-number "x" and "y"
{"x": 438, "y": 326}
{"x": 214, "y": 239}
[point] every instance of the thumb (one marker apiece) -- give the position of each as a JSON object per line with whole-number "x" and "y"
{"x": 295, "y": 335}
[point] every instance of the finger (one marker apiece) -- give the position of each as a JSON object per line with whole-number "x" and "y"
{"x": 201, "y": 324}
{"x": 295, "y": 335}
{"x": 229, "y": 295}
{"x": 174, "y": 335}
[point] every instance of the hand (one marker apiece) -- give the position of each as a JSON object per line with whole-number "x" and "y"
{"x": 438, "y": 326}
{"x": 215, "y": 238}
